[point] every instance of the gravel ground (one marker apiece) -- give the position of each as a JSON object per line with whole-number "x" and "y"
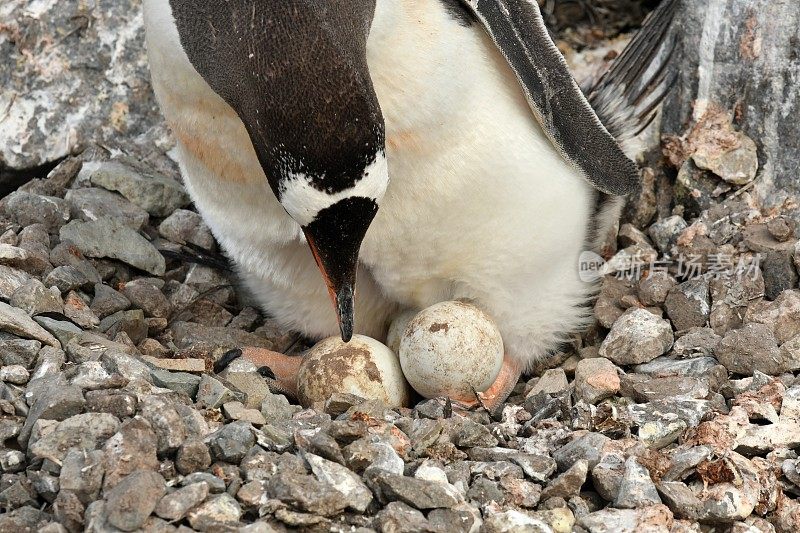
{"x": 678, "y": 411}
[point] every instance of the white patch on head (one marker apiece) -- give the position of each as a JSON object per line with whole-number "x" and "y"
{"x": 303, "y": 202}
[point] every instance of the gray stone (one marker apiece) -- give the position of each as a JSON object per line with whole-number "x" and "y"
{"x": 10, "y": 280}
{"x": 92, "y": 203}
{"x": 155, "y": 193}
{"x": 85, "y": 432}
{"x": 215, "y": 513}
{"x": 110, "y": 238}
{"x": 418, "y": 493}
{"x": 353, "y": 490}
{"x": 212, "y": 393}
{"x": 147, "y": 297}
{"x": 132, "y": 500}
{"x": 193, "y": 456}
{"x": 754, "y": 347}
{"x": 237, "y": 411}
{"x": 779, "y": 273}
{"x": 175, "y": 505}
{"x": 17, "y": 351}
{"x": 637, "y": 337}
{"x": 77, "y": 310}
{"x": 119, "y": 404}
{"x": 398, "y": 517}
{"x": 64, "y": 330}
{"x": 305, "y": 493}
{"x": 697, "y": 342}
{"x": 596, "y": 379}
{"x": 636, "y": 488}
{"x": 276, "y": 408}
{"x": 553, "y": 381}
{"x": 28, "y": 208}
{"x": 184, "y": 226}
{"x": 232, "y": 442}
{"x": 17, "y": 322}
{"x": 107, "y": 301}
{"x": 215, "y": 484}
{"x": 688, "y": 304}
{"x": 82, "y": 474}
{"x": 665, "y": 233}
{"x": 67, "y": 278}
{"x": 608, "y": 520}
{"x": 569, "y": 483}
{"x": 182, "y": 382}
{"x": 372, "y": 454}
{"x": 512, "y": 521}
{"x": 196, "y": 336}
{"x": 22, "y": 259}
{"x": 165, "y": 419}
{"x": 131, "y": 322}
{"x": 588, "y": 446}
{"x": 55, "y": 403}
{"x": 666, "y": 366}
{"x": 131, "y": 449}
{"x": 16, "y": 374}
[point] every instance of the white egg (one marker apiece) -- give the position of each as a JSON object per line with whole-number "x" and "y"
{"x": 363, "y": 367}
{"x": 450, "y": 348}
{"x": 398, "y": 327}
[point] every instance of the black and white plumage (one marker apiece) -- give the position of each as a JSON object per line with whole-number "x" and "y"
{"x": 438, "y": 149}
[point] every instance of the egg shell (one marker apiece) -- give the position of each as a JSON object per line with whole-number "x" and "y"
{"x": 450, "y": 348}
{"x": 398, "y": 327}
{"x": 363, "y": 367}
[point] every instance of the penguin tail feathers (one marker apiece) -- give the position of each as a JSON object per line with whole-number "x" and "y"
{"x": 628, "y": 95}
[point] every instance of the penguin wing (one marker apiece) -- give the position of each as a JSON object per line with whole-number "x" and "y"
{"x": 518, "y": 30}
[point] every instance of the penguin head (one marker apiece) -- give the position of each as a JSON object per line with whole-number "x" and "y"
{"x": 295, "y": 71}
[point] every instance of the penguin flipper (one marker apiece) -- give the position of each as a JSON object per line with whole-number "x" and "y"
{"x": 626, "y": 97}
{"x": 518, "y": 30}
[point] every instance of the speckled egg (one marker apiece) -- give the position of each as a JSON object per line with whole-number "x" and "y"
{"x": 363, "y": 367}
{"x": 398, "y": 327}
{"x": 450, "y": 348}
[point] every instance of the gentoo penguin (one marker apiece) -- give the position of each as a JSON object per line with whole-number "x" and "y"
{"x": 422, "y": 150}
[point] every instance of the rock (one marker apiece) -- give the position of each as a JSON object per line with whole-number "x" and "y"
{"x": 665, "y": 233}
{"x": 132, "y": 323}
{"x": 17, "y": 322}
{"x": 654, "y": 518}
{"x": 609, "y": 306}
{"x": 131, "y": 449}
{"x": 398, "y": 517}
{"x": 10, "y": 280}
{"x": 275, "y": 408}
{"x": 155, "y": 193}
{"x": 187, "y": 227}
{"x": 211, "y": 393}
{"x": 667, "y": 366}
{"x": 353, "y": 490}
{"x": 16, "y": 374}
{"x": 193, "y": 456}
{"x": 64, "y": 330}
{"x": 647, "y": 388}
{"x": 779, "y": 273}
{"x": 305, "y": 493}
{"x": 697, "y": 342}
{"x": 121, "y": 405}
{"x": 86, "y": 432}
{"x": 196, "y": 336}
{"x": 688, "y": 304}
{"x": 232, "y": 442}
{"x": 17, "y": 351}
{"x": 181, "y": 382}
{"x": 512, "y": 521}
{"x": 76, "y": 309}
{"x": 22, "y": 259}
{"x": 417, "y": 493}
{"x": 175, "y": 505}
{"x": 55, "y": 403}
{"x": 28, "y": 208}
{"x": 107, "y": 301}
{"x": 92, "y": 203}
{"x": 237, "y": 411}
{"x": 553, "y": 381}
{"x": 637, "y": 337}
{"x": 110, "y": 238}
{"x": 252, "y": 384}
{"x": 782, "y": 315}
{"x": 754, "y": 347}
{"x": 82, "y": 474}
{"x": 782, "y": 228}
{"x": 569, "y": 483}
{"x": 588, "y": 446}
{"x": 132, "y": 500}
{"x": 147, "y": 297}
{"x": 596, "y": 379}
{"x": 636, "y": 488}
{"x": 215, "y": 513}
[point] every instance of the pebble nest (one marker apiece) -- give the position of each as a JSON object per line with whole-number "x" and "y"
{"x": 677, "y": 411}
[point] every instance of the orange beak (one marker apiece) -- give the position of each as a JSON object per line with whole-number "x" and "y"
{"x": 341, "y": 290}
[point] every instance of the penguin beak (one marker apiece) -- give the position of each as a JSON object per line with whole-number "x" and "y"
{"x": 335, "y": 238}
{"x": 341, "y": 287}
